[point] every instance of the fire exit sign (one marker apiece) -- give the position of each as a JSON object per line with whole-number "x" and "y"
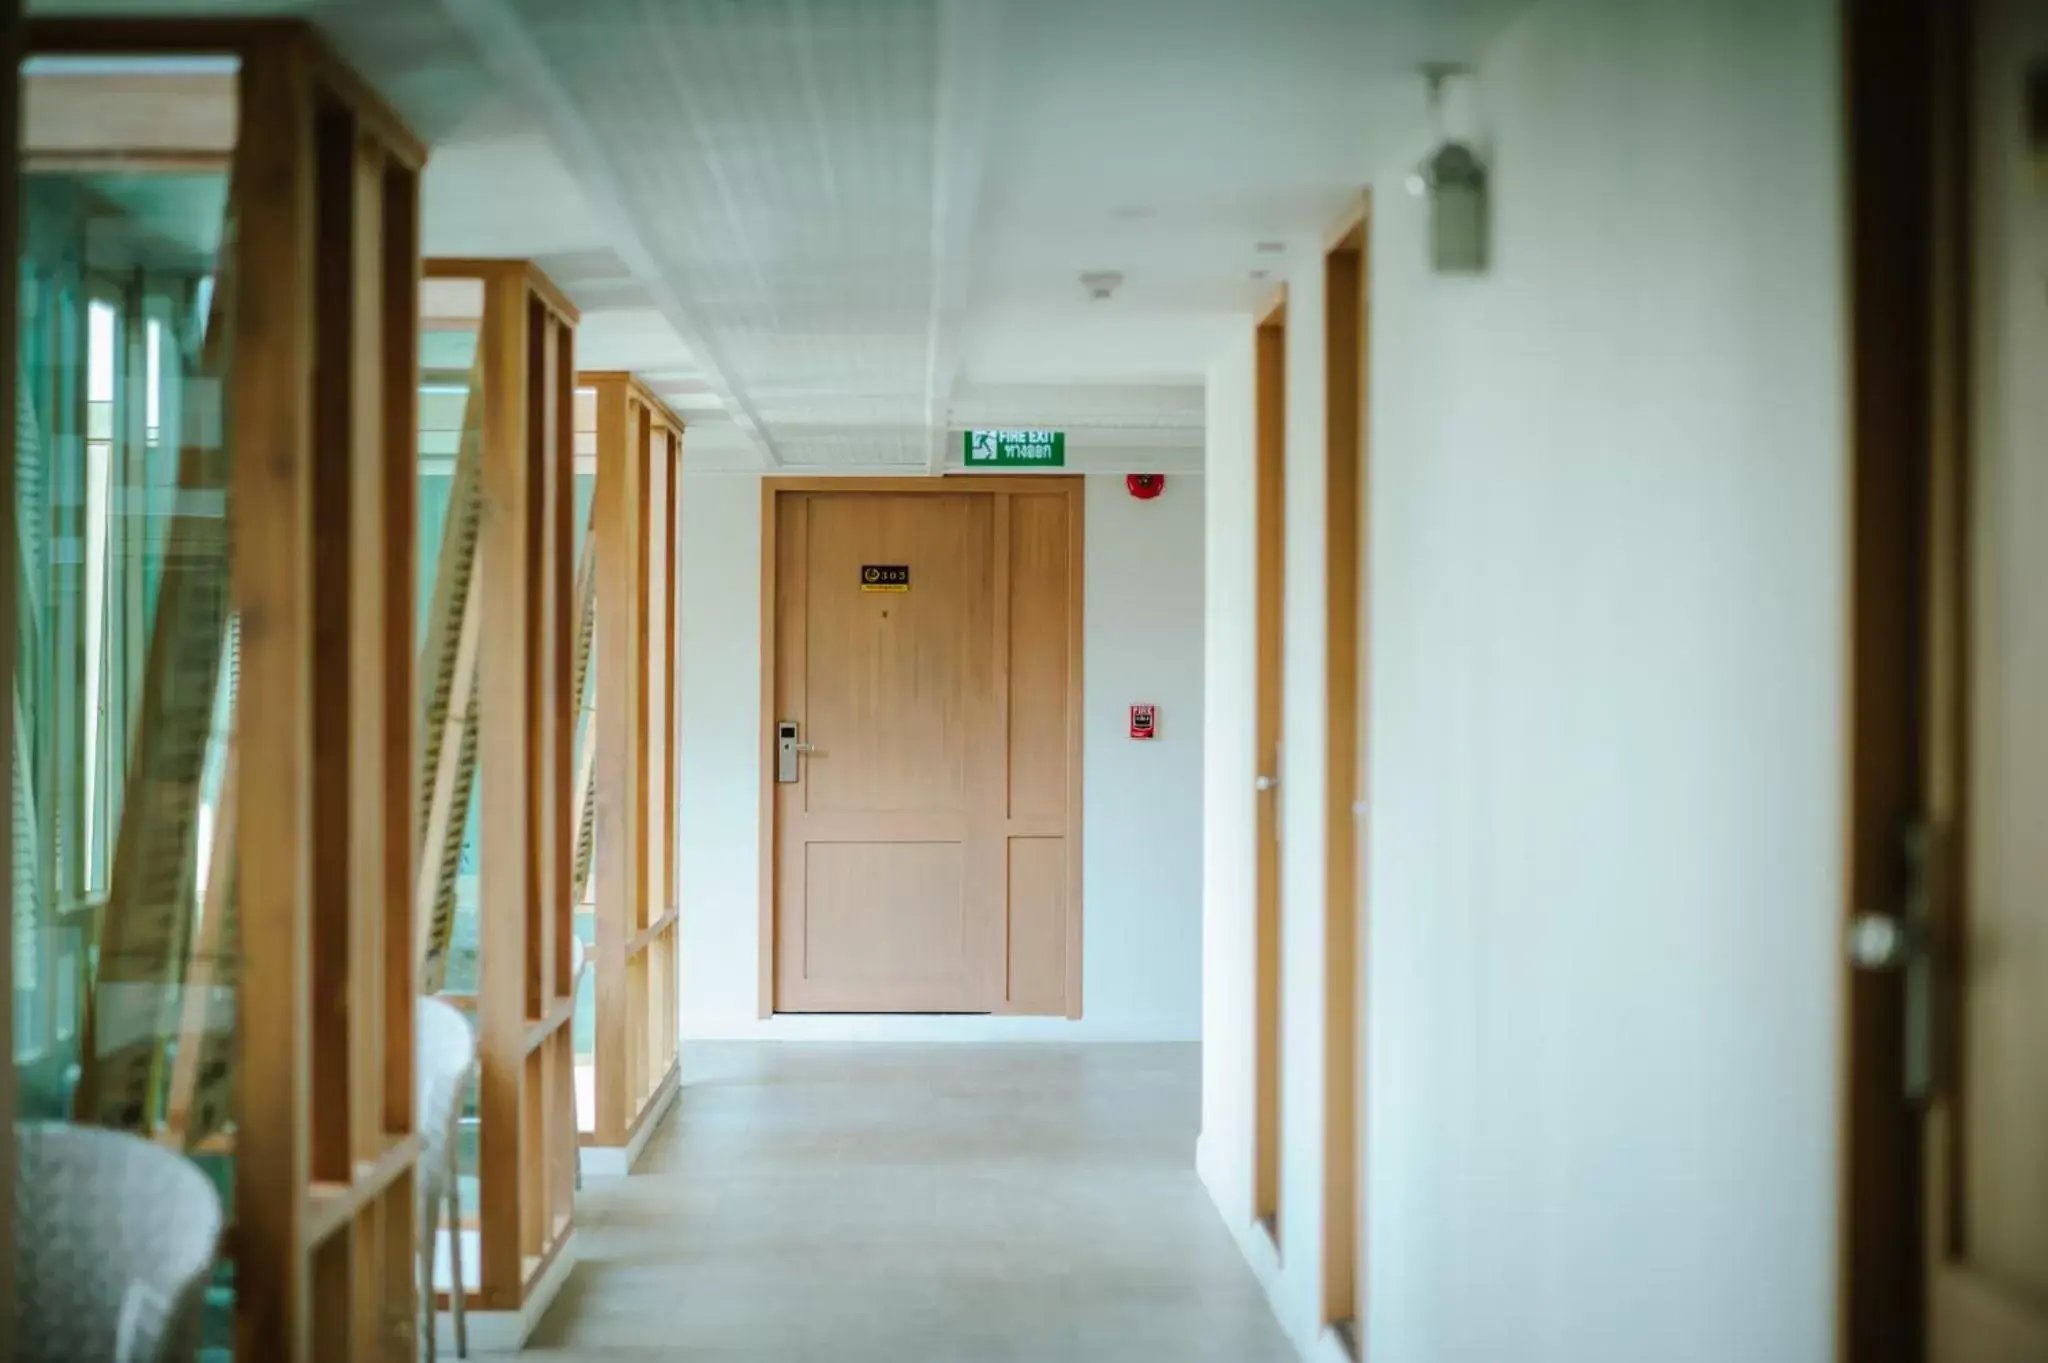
{"x": 1018, "y": 449}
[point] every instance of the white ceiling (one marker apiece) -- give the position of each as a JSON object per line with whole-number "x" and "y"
{"x": 830, "y": 232}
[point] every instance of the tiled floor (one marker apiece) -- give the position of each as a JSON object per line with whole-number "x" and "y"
{"x": 941, "y": 1204}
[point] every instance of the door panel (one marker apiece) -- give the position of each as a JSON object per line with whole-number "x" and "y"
{"x": 893, "y": 690}
{"x": 926, "y": 855}
{"x": 884, "y": 913}
{"x": 894, "y": 680}
{"x": 1038, "y": 925}
{"x": 1987, "y": 1193}
{"x": 1037, "y": 580}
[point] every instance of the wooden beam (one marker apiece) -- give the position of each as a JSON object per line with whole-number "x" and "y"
{"x": 133, "y": 117}
{"x": 497, "y": 271}
{"x": 507, "y": 887}
{"x": 335, "y": 940}
{"x": 400, "y": 230}
{"x": 272, "y": 575}
{"x": 380, "y": 646}
{"x": 618, "y": 520}
{"x": 559, "y": 903}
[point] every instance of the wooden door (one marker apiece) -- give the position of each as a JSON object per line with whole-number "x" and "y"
{"x": 927, "y": 848}
{"x": 1946, "y": 1215}
{"x": 1345, "y": 333}
{"x": 1270, "y": 363}
{"x": 1986, "y": 1133}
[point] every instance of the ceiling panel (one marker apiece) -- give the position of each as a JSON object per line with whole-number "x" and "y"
{"x": 778, "y": 160}
{"x": 830, "y": 230}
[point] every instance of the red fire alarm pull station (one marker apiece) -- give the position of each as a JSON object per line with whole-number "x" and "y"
{"x": 1144, "y": 721}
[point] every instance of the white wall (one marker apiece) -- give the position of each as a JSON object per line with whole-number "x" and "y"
{"x": 1607, "y": 536}
{"x": 1229, "y": 869}
{"x": 1142, "y": 812}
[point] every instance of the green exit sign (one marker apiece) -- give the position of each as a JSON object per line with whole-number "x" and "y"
{"x": 1015, "y": 449}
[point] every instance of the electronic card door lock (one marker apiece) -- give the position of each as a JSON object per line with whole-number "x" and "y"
{"x": 786, "y": 750}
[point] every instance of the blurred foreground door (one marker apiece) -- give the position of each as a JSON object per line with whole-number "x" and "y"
{"x": 1946, "y": 1207}
{"x": 1986, "y": 1133}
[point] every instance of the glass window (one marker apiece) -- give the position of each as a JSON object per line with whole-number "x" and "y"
{"x": 122, "y": 473}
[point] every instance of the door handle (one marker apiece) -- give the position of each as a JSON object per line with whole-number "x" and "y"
{"x": 1878, "y": 942}
{"x": 1903, "y": 943}
{"x": 1265, "y": 783}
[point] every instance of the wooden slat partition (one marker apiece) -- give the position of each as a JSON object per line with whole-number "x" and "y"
{"x": 523, "y": 597}
{"x": 320, "y": 286}
{"x": 448, "y": 675}
{"x": 633, "y": 526}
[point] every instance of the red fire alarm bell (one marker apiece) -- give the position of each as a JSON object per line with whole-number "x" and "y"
{"x": 1144, "y": 721}
{"x": 1145, "y": 486}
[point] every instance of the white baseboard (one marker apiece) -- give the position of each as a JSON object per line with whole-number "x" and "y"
{"x": 506, "y": 1332}
{"x": 1329, "y": 1349}
{"x": 613, "y": 1161}
{"x": 1203, "y": 1148}
{"x": 928, "y": 1028}
{"x": 1257, "y": 1248}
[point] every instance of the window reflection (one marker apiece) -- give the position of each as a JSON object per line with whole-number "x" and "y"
{"x": 122, "y": 682}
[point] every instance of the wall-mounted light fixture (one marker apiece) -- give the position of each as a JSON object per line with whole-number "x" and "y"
{"x": 1453, "y": 178}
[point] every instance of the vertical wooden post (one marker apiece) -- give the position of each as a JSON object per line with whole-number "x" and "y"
{"x": 662, "y": 721}
{"x": 654, "y": 1026}
{"x": 272, "y": 488}
{"x": 397, "y": 282}
{"x": 519, "y": 622}
{"x": 633, "y": 523}
{"x": 560, "y": 904}
{"x": 617, "y": 519}
{"x": 506, "y": 887}
{"x": 615, "y": 529}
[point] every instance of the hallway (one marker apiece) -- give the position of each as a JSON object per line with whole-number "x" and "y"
{"x": 949, "y": 1204}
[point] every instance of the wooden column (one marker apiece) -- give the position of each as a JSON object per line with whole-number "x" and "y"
{"x": 521, "y": 592}
{"x": 633, "y": 527}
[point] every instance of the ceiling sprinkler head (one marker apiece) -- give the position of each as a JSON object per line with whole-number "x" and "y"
{"x": 1101, "y": 283}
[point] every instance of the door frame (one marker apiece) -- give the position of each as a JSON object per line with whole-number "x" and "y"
{"x": 1906, "y": 68}
{"x": 1074, "y": 487}
{"x": 1347, "y": 417}
{"x": 1269, "y": 414}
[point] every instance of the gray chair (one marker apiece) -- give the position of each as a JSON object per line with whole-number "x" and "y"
{"x": 446, "y": 1058}
{"x": 114, "y": 1242}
